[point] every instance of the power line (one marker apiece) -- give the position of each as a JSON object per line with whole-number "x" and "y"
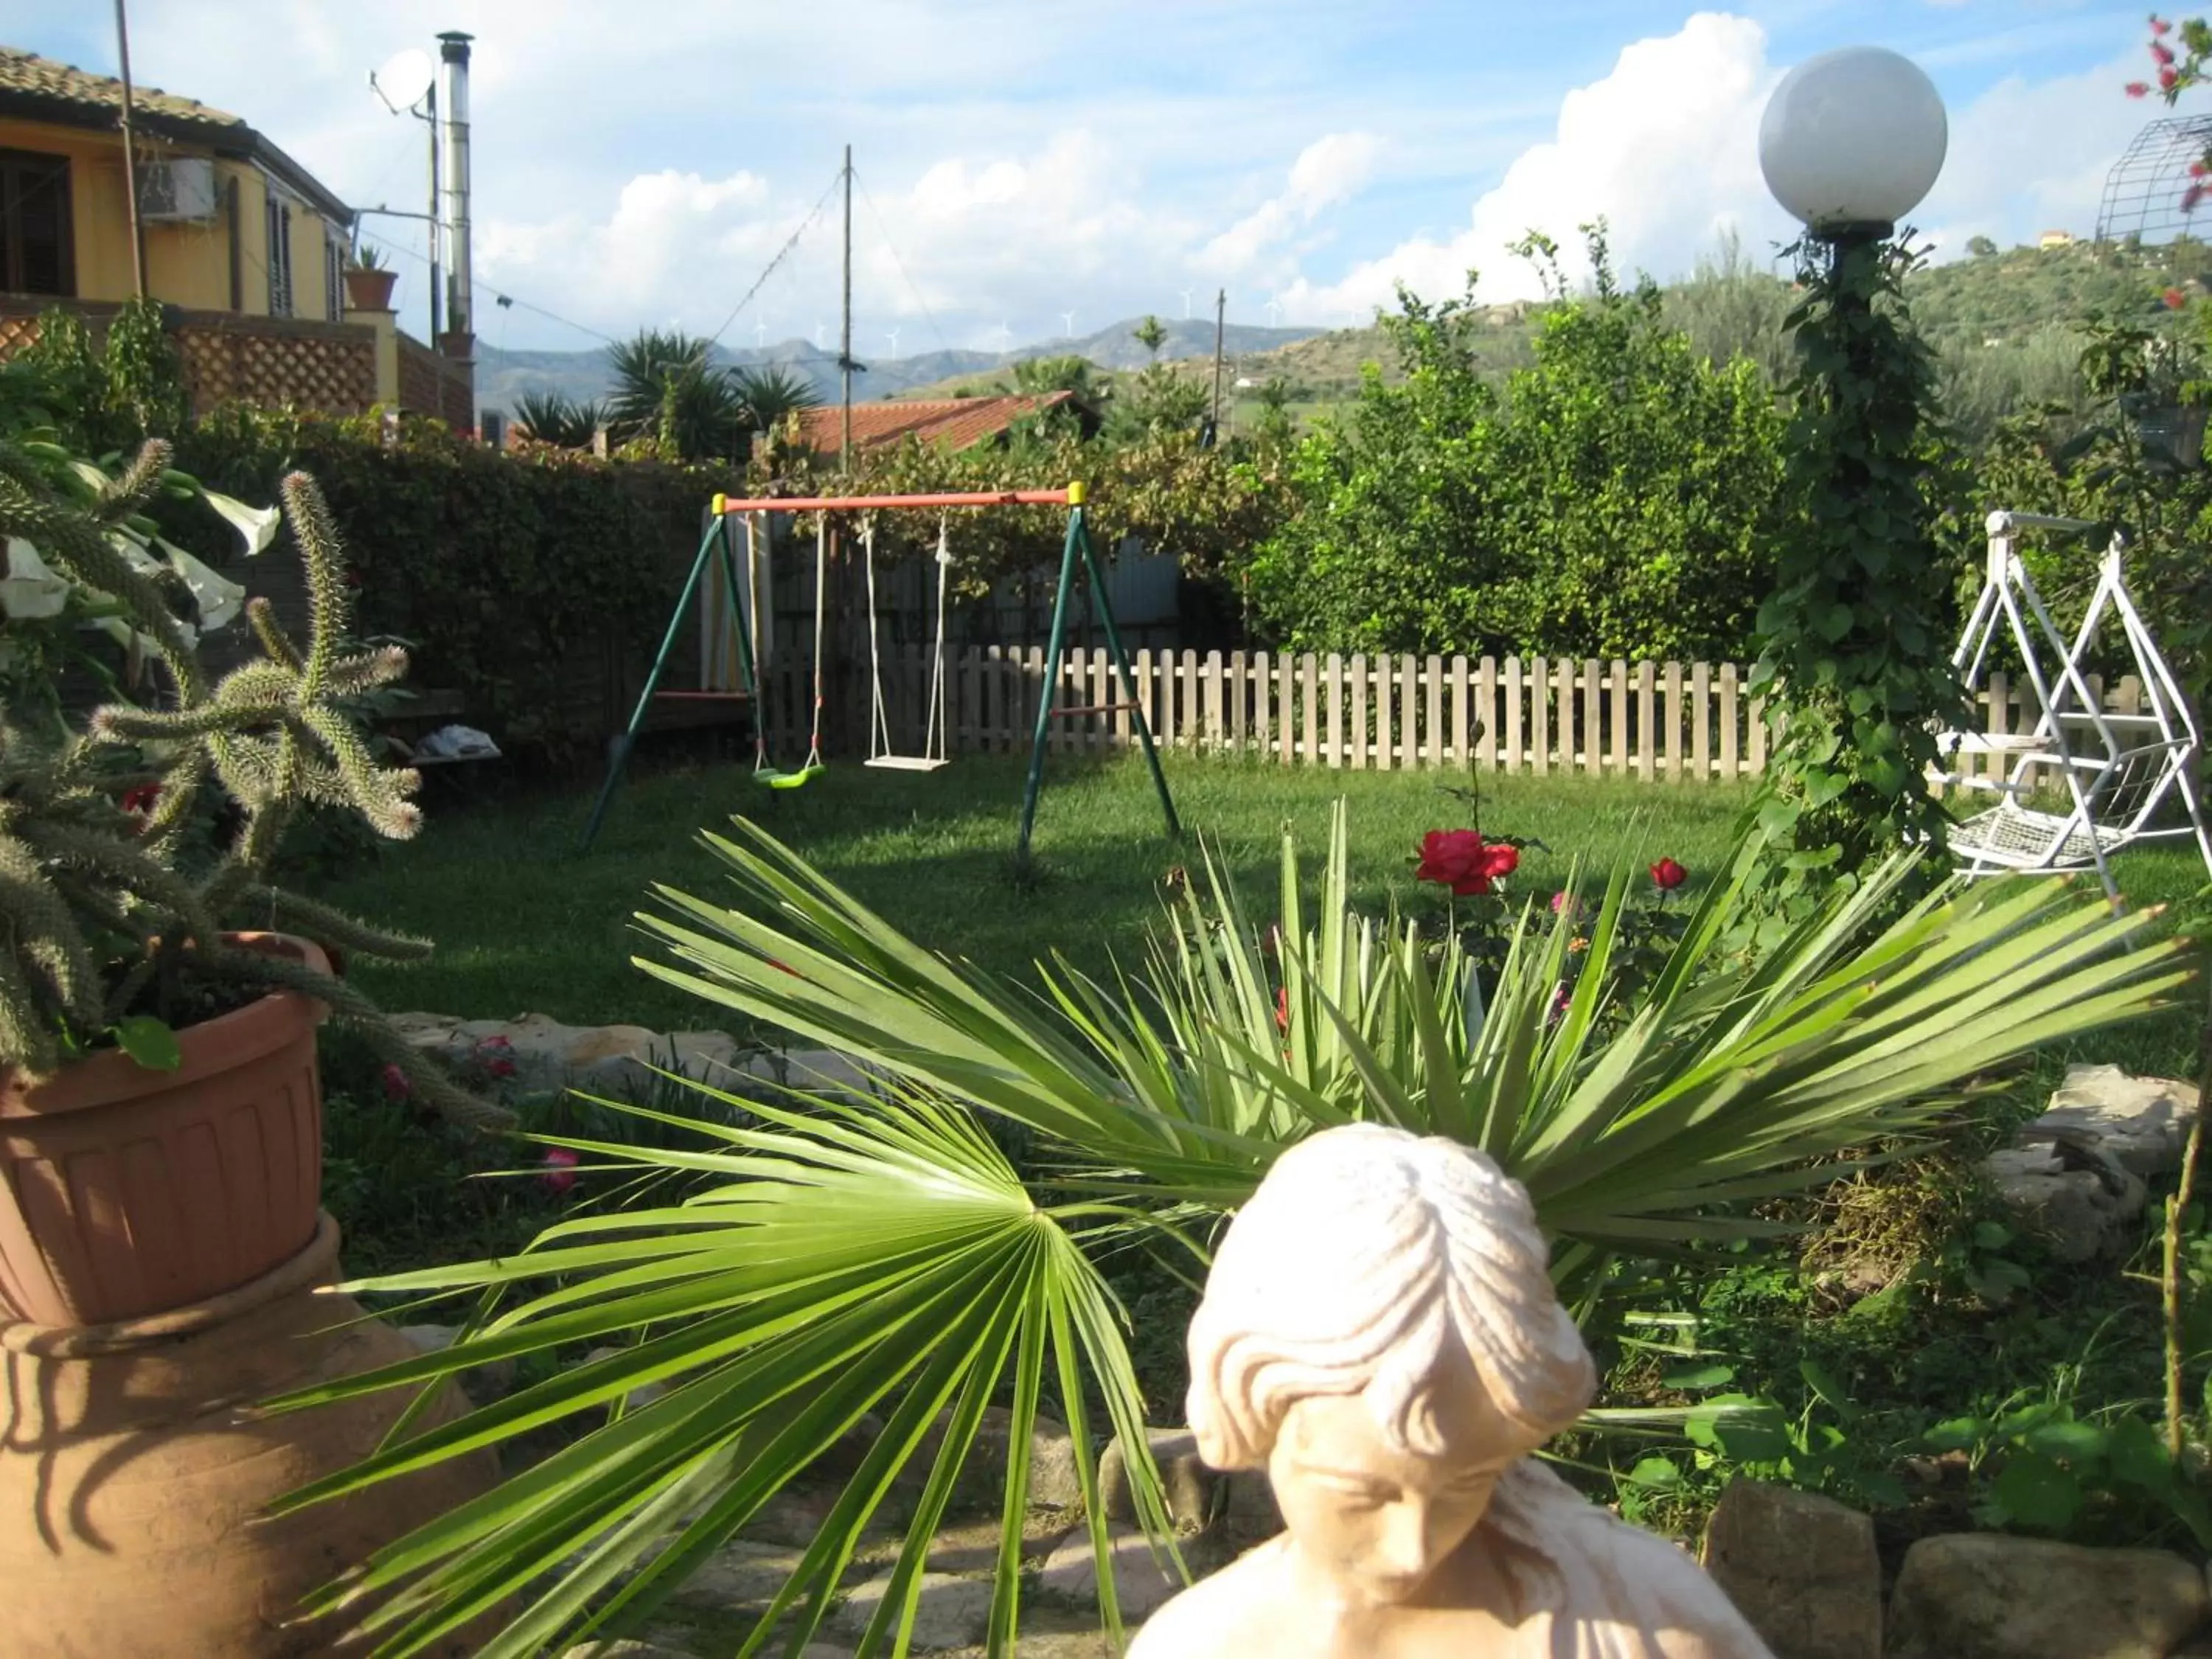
{"x": 511, "y": 300}
{"x": 769, "y": 270}
{"x": 899, "y": 265}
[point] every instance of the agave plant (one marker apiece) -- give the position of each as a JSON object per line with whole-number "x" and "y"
{"x": 552, "y": 418}
{"x": 770, "y": 395}
{"x": 843, "y": 1258}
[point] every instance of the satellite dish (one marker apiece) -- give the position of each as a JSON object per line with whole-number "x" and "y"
{"x": 405, "y": 77}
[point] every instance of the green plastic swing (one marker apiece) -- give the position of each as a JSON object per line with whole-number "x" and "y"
{"x": 764, "y": 770}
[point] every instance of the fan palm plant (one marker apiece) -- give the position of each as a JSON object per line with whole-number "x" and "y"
{"x": 666, "y": 386}
{"x": 549, "y": 418}
{"x": 840, "y": 1258}
{"x": 768, "y": 396}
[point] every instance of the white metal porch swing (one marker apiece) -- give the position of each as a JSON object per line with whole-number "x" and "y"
{"x": 2111, "y": 772}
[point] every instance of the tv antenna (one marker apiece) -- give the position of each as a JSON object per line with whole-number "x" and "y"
{"x": 406, "y": 83}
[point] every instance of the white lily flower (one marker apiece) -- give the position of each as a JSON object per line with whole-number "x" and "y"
{"x": 30, "y": 591}
{"x": 132, "y": 546}
{"x": 219, "y": 598}
{"x": 256, "y": 525}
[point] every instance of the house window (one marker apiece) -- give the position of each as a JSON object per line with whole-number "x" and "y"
{"x": 277, "y": 226}
{"x": 36, "y": 256}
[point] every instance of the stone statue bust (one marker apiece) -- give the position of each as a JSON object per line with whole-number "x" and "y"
{"x": 1379, "y": 1332}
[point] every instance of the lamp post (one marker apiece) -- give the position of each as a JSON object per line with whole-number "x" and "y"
{"x": 1852, "y": 649}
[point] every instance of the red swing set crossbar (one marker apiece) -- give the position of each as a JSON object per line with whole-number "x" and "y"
{"x": 1071, "y": 496}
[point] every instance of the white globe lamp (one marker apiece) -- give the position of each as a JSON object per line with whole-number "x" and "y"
{"x": 1852, "y": 142}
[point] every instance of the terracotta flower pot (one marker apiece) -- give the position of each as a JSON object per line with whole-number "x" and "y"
{"x": 125, "y": 1191}
{"x": 133, "y": 1481}
{"x": 369, "y": 290}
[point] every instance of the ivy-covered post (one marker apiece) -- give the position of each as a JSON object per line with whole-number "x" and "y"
{"x": 1853, "y": 655}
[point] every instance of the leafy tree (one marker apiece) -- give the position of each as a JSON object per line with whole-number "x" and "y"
{"x": 1152, "y": 334}
{"x": 1981, "y": 248}
{"x": 1619, "y": 499}
{"x": 1036, "y": 376}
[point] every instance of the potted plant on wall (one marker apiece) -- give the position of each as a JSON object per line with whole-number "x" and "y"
{"x": 368, "y": 279}
{"x": 161, "y": 1108}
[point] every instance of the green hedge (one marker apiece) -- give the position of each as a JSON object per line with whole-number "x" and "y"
{"x": 518, "y": 580}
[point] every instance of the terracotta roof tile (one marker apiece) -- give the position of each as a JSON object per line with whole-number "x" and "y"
{"x": 44, "y": 77}
{"x": 954, "y": 423}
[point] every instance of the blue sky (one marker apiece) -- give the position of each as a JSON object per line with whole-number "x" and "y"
{"x": 640, "y": 164}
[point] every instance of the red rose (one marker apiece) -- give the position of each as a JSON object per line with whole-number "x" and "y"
{"x": 560, "y": 1168}
{"x": 2160, "y": 26}
{"x": 395, "y": 1085}
{"x": 2162, "y": 52}
{"x": 2175, "y": 299}
{"x": 1667, "y": 875}
{"x": 1460, "y": 860}
{"x": 2167, "y": 78}
{"x": 2138, "y": 89}
{"x": 140, "y": 798}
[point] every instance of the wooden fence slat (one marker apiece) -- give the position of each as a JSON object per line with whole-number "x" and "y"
{"x": 1512, "y": 712}
{"x": 1379, "y": 673}
{"x": 1358, "y": 722}
{"x": 1672, "y": 721}
{"x": 1731, "y": 766}
{"x": 1436, "y": 750}
{"x": 1647, "y": 723}
{"x": 1701, "y": 722}
{"x": 1332, "y": 685}
{"x": 1617, "y": 748}
{"x": 1593, "y": 716}
{"x": 1216, "y": 730}
{"x": 1310, "y": 706}
{"x": 1756, "y": 720}
{"x": 1539, "y": 708}
{"x": 1032, "y": 685}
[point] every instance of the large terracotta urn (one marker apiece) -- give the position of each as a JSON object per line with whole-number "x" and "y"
{"x": 160, "y": 1255}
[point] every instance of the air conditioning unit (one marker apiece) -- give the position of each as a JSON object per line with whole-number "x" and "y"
{"x": 178, "y": 191}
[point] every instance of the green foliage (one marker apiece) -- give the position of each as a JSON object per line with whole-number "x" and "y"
{"x": 502, "y": 571}
{"x": 2042, "y": 1468}
{"x": 767, "y": 397}
{"x": 366, "y": 256}
{"x": 888, "y": 1257}
{"x": 99, "y": 398}
{"x": 669, "y": 392}
{"x": 1036, "y": 376}
{"x": 1620, "y": 499}
{"x": 1152, "y": 334}
{"x": 550, "y": 418}
{"x": 1853, "y": 635}
{"x": 111, "y": 922}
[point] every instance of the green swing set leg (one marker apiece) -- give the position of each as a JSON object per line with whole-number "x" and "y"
{"x": 717, "y": 539}
{"x": 1078, "y": 544}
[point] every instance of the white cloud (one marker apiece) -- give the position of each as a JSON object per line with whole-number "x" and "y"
{"x": 1328, "y": 173}
{"x": 1664, "y": 148}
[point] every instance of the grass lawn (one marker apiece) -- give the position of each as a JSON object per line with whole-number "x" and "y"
{"x": 525, "y": 922}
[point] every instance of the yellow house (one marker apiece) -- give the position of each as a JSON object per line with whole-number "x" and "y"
{"x": 245, "y": 243}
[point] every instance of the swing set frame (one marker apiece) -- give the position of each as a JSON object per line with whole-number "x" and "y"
{"x": 718, "y": 545}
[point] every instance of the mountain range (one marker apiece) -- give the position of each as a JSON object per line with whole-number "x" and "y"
{"x": 503, "y": 376}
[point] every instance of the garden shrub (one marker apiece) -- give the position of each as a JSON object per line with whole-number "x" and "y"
{"x": 518, "y": 579}
{"x": 1620, "y": 498}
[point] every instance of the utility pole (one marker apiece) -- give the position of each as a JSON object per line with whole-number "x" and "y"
{"x": 131, "y": 154}
{"x": 1220, "y": 327}
{"x": 845, "y": 346}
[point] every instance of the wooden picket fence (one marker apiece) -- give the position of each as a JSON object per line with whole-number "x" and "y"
{"x": 1653, "y": 722}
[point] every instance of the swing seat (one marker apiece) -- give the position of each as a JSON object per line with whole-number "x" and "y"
{"x": 906, "y": 762}
{"x": 779, "y": 780}
{"x": 2117, "y": 799}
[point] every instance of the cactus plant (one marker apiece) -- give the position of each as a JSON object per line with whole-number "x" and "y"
{"x": 112, "y": 902}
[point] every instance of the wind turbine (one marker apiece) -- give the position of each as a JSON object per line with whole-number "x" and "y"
{"x": 818, "y": 334}
{"x": 1005, "y": 337}
{"x": 1186, "y": 305}
{"x": 760, "y": 335}
{"x": 1067, "y": 319}
{"x": 1274, "y": 309}
{"x": 892, "y": 335}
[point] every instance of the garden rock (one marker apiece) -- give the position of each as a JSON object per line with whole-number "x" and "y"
{"x": 1984, "y": 1595}
{"x": 1190, "y": 1487}
{"x": 2080, "y": 1198}
{"x": 951, "y": 1614}
{"x": 982, "y": 1479}
{"x": 482, "y": 1383}
{"x": 2141, "y": 1122}
{"x": 546, "y": 1055}
{"x": 624, "y": 1650}
{"x": 1143, "y": 1583}
{"x": 1802, "y": 1568}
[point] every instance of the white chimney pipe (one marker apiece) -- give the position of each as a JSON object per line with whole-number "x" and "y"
{"x": 454, "y": 185}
